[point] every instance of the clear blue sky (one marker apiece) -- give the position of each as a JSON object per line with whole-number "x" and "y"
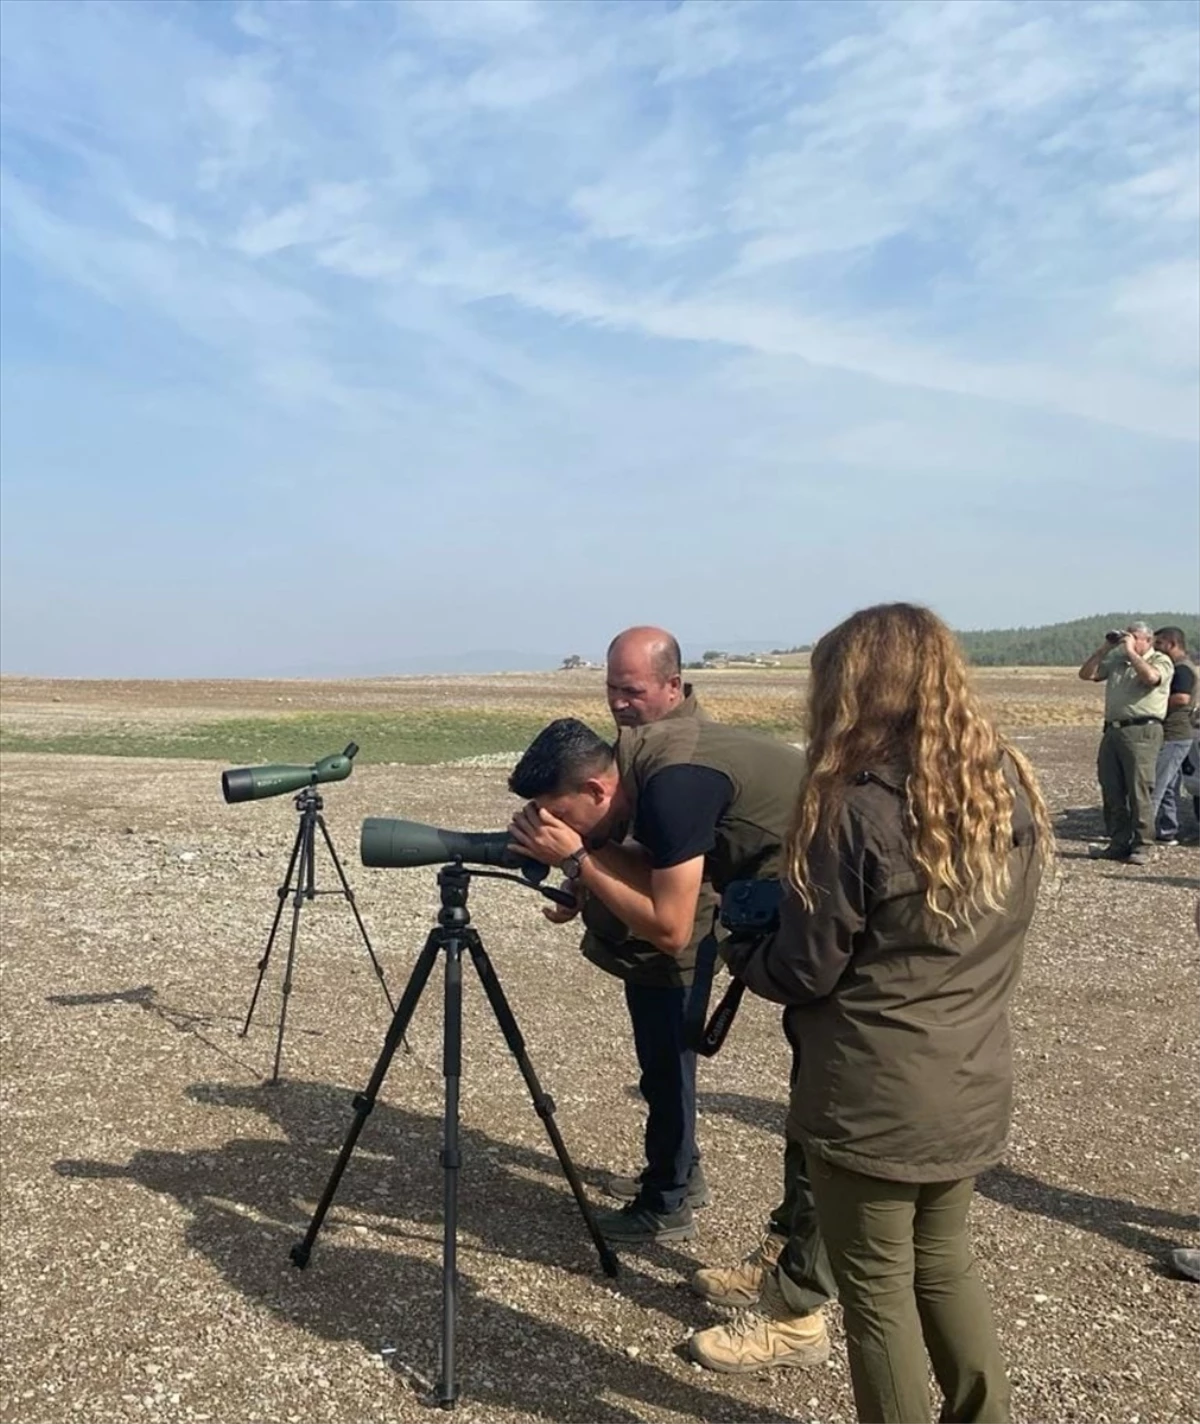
{"x": 335, "y": 334}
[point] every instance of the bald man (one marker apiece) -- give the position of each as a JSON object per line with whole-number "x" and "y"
{"x": 645, "y": 684}
{"x": 645, "y": 678}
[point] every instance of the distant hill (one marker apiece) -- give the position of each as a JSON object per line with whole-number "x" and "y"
{"x": 1062, "y": 644}
{"x": 1050, "y": 645}
{"x": 447, "y": 664}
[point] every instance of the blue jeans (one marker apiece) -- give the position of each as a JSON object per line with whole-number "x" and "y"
{"x": 668, "y": 1084}
{"x": 1168, "y": 771}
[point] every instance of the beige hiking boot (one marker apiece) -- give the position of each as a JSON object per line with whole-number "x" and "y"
{"x": 741, "y": 1284}
{"x": 762, "y": 1338}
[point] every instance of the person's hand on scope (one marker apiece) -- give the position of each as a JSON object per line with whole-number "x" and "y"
{"x": 540, "y": 836}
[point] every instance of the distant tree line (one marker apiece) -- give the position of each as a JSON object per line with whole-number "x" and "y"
{"x": 1050, "y": 645}
{"x": 1062, "y": 644}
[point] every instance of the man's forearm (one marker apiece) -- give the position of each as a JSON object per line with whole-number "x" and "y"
{"x": 1088, "y": 671}
{"x": 619, "y": 877}
{"x": 1148, "y": 676}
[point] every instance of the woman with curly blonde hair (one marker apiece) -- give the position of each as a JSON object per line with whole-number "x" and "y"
{"x": 914, "y": 860}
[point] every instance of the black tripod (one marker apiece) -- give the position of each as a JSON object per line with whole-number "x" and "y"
{"x": 303, "y": 863}
{"x": 453, "y": 934}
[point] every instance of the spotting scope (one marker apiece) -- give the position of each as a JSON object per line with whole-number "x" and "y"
{"x": 404, "y": 845}
{"x": 254, "y": 783}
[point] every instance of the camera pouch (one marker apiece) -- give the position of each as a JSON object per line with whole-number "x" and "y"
{"x": 751, "y": 906}
{"x": 749, "y": 911}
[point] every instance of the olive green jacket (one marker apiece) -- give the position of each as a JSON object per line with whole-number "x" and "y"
{"x": 607, "y": 942}
{"x": 765, "y": 774}
{"x": 905, "y": 1068}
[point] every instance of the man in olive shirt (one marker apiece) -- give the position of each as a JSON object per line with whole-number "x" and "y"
{"x": 705, "y": 803}
{"x": 645, "y": 684}
{"x": 1179, "y": 734}
{"x": 1137, "y": 681}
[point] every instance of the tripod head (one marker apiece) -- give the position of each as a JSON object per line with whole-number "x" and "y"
{"x": 454, "y": 882}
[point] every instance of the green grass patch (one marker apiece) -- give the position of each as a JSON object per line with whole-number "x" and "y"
{"x": 414, "y": 738}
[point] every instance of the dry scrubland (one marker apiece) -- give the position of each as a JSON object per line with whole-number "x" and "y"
{"x": 37, "y": 708}
{"x": 153, "y": 1184}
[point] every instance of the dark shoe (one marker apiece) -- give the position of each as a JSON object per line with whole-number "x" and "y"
{"x": 1186, "y": 1263}
{"x": 1124, "y": 855}
{"x": 1106, "y": 852}
{"x": 627, "y": 1188}
{"x": 635, "y": 1225}
{"x": 1166, "y": 840}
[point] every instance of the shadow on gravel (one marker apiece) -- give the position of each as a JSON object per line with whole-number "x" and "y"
{"x": 146, "y": 996}
{"x": 1080, "y": 823}
{"x": 1182, "y": 882}
{"x": 1126, "y": 1223}
{"x": 754, "y": 1112}
{"x": 251, "y": 1200}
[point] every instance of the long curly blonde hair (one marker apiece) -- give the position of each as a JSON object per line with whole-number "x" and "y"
{"x": 890, "y": 687}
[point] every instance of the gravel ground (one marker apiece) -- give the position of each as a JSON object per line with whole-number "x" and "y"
{"x": 153, "y": 1184}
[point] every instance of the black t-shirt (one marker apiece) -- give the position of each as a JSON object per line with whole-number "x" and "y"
{"x": 677, "y": 813}
{"x": 1178, "y": 724}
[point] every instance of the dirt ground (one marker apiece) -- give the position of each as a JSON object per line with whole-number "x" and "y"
{"x": 153, "y": 1184}
{"x": 45, "y": 707}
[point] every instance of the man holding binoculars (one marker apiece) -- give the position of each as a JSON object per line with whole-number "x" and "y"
{"x": 1137, "y": 680}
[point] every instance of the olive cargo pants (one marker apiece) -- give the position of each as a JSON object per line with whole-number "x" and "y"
{"x": 804, "y": 1274}
{"x": 1125, "y": 767}
{"x": 907, "y": 1282}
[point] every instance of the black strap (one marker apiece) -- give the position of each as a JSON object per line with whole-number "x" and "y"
{"x": 722, "y": 1019}
{"x": 706, "y": 1038}
{"x": 702, "y": 978}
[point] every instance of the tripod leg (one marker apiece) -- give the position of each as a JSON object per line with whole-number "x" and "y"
{"x": 543, "y": 1103}
{"x": 303, "y": 879}
{"x": 349, "y": 894}
{"x": 283, "y": 894}
{"x": 447, "y": 1389}
{"x": 365, "y": 1100}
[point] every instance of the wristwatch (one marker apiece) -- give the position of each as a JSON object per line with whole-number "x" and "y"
{"x": 572, "y": 864}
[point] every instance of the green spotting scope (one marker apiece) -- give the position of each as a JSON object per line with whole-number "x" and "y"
{"x": 254, "y": 783}
{"x": 404, "y": 845}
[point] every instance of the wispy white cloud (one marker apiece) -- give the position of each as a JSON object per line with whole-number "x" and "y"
{"x": 632, "y": 243}
{"x": 327, "y": 213}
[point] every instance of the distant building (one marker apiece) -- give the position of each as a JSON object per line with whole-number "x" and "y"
{"x": 740, "y": 660}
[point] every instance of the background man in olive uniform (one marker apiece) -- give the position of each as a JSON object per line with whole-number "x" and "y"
{"x": 1137, "y": 681}
{"x": 645, "y": 684}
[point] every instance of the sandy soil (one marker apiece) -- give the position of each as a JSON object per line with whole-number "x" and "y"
{"x": 45, "y": 707}
{"x": 152, "y": 1184}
